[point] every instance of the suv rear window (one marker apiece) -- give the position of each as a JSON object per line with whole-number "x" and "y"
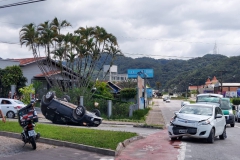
{"x": 208, "y": 99}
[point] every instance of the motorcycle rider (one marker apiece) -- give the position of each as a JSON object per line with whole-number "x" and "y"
{"x": 1, "y": 115}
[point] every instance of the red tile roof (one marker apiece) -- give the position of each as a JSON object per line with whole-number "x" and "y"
{"x": 48, "y": 74}
{"x": 26, "y": 61}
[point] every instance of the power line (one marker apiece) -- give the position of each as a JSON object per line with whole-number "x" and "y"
{"x": 181, "y": 41}
{"x": 21, "y": 3}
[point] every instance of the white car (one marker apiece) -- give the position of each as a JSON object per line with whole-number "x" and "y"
{"x": 184, "y": 102}
{"x": 10, "y": 107}
{"x": 168, "y": 100}
{"x": 198, "y": 121}
{"x": 237, "y": 113}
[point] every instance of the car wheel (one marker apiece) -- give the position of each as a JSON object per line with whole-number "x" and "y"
{"x": 97, "y": 112}
{"x": 180, "y": 138}
{"x": 67, "y": 97}
{"x": 238, "y": 119}
{"x": 211, "y": 136}
{"x": 10, "y": 114}
{"x": 224, "y": 134}
{"x": 80, "y": 111}
{"x": 49, "y": 96}
{"x": 173, "y": 139}
{"x": 232, "y": 125}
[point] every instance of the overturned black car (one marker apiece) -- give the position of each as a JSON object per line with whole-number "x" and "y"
{"x": 60, "y": 111}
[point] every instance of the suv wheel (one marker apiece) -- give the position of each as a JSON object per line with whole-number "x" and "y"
{"x": 97, "y": 112}
{"x": 49, "y": 96}
{"x": 224, "y": 134}
{"x": 80, "y": 111}
{"x": 211, "y": 136}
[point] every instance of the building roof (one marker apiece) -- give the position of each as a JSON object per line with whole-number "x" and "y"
{"x": 48, "y": 74}
{"x": 26, "y": 61}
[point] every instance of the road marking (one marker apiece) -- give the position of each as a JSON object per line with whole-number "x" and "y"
{"x": 237, "y": 127}
{"x": 182, "y": 150}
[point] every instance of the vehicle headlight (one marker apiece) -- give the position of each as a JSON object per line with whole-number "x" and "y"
{"x": 230, "y": 112}
{"x": 205, "y": 122}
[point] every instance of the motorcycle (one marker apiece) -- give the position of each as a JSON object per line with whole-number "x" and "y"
{"x": 27, "y": 117}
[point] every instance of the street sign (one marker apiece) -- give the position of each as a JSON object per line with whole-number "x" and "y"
{"x": 143, "y": 73}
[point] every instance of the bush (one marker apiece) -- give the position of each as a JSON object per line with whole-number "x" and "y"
{"x": 128, "y": 93}
{"x": 236, "y": 101}
{"x": 140, "y": 114}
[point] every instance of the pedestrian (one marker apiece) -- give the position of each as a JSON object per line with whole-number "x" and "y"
{"x": 1, "y": 114}
{"x": 15, "y": 96}
{"x": 10, "y": 95}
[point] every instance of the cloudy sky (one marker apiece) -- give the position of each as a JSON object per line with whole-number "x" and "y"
{"x": 166, "y": 29}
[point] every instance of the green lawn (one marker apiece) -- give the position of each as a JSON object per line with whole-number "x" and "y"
{"x": 86, "y": 136}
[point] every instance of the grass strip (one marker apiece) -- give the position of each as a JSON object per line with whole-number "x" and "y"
{"x": 86, "y": 136}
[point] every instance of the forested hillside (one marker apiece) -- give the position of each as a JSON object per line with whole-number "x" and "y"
{"x": 178, "y": 74}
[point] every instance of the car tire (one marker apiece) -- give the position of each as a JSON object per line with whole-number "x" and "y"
{"x": 223, "y": 135}
{"x": 232, "y": 125}
{"x": 180, "y": 138}
{"x": 67, "y": 97}
{"x": 79, "y": 111}
{"x": 97, "y": 112}
{"x": 49, "y": 96}
{"x": 173, "y": 139}
{"x": 238, "y": 119}
{"x": 211, "y": 136}
{"x": 10, "y": 114}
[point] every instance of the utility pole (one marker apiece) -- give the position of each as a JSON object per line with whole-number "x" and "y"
{"x": 221, "y": 71}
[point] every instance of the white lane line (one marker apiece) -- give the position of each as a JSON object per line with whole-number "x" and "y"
{"x": 182, "y": 151}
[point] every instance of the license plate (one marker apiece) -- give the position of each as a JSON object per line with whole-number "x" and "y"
{"x": 96, "y": 122}
{"x": 182, "y": 131}
{"x": 31, "y": 133}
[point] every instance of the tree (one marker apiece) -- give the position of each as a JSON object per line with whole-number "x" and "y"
{"x": 77, "y": 53}
{"x": 26, "y": 92}
{"x": 12, "y": 75}
{"x": 158, "y": 85}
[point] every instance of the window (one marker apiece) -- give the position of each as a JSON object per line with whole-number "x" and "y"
{"x": 5, "y": 102}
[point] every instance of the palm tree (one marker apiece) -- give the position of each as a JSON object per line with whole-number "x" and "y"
{"x": 58, "y": 25}
{"x": 29, "y": 36}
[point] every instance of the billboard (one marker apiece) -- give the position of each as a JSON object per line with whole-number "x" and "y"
{"x": 143, "y": 73}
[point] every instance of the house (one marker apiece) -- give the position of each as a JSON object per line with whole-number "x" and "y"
{"x": 43, "y": 70}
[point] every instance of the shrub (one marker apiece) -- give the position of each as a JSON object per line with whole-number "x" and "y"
{"x": 128, "y": 93}
{"x": 140, "y": 114}
{"x": 236, "y": 101}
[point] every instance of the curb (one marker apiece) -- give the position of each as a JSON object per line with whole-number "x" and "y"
{"x": 103, "y": 151}
{"x": 126, "y": 142}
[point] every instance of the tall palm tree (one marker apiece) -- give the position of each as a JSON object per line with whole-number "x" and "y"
{"x": 58, "y": 25}
{"x": 28, "y": 36}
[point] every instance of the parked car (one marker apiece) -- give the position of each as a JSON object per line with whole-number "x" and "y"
{"x": 223, "y": 103}
{"x": 184, "y": 102}
{"x": 61, "y": 111}
{"x": 198, "y": 121}
{"x": 168, "y": 100}
{"x": 10, "y": 107}
{"x": 237, "y": 113}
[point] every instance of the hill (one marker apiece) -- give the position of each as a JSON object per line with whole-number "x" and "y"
{"x": 178, "y": 74}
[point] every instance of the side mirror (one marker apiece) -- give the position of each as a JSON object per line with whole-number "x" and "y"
{"x": 218, "y": 116}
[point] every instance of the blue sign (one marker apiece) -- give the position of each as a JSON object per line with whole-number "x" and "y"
{"x": 143, "y": 73}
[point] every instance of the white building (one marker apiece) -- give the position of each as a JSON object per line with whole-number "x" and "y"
{"x": 113, "y": 74}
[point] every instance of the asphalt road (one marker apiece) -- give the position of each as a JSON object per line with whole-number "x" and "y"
{"x": 199, "y": 149}
{"x": 13, "y": 148}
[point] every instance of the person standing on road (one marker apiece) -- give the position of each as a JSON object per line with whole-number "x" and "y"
{"x": 1, "y": 114}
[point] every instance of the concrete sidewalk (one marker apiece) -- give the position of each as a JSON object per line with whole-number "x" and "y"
{"x": 155, "y": 146}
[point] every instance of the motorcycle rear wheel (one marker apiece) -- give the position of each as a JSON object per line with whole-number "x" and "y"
{"x": 33, "y": 142}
